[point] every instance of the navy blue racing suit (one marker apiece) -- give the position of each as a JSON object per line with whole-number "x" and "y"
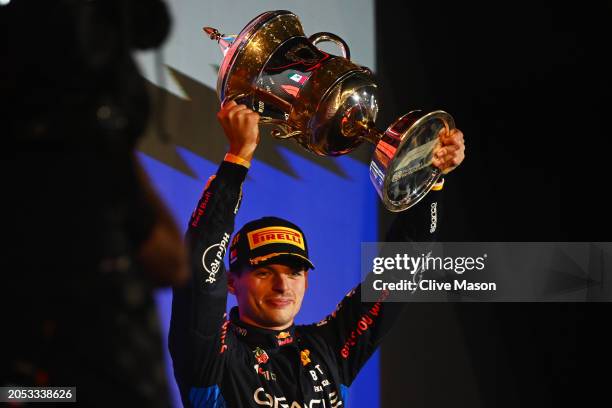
{"x": 221, "y": 362}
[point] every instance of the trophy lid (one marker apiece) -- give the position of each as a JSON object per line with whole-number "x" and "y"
{"x": 225, "y": 40}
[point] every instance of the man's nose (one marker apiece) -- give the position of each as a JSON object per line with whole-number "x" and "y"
{"x": 280, "y": 283}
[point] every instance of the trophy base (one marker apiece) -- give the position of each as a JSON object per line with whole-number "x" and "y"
{"x": 401, "y": 169}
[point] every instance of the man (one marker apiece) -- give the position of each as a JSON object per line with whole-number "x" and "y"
{"x": 259, "y": 357}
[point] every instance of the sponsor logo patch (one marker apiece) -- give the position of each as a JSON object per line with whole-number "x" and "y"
{"x": 275, "y": 235}
{"x": 212, "y": 259}
{"x": 263, "y": 399}
{"x": 434, "y": 217}
{"x": 268, "y": 375}
{"x": 363, "y": 325}
{"x": 284, "y": 338}
{"x": 197, "y": 214}
{"x": 223, "y": 336}
{"x": 305, "y": 356}
{"x": 261, "y": 356}
{"x": 283, "y": 335}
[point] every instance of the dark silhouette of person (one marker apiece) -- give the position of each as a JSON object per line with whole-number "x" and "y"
{"x": 90, "y": 239}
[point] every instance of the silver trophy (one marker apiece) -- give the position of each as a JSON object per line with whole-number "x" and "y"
{"x": 327, "y": 103}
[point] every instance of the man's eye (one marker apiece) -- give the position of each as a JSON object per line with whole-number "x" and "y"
{"x": 298, "y": 273}
{"x": 261, "y": 273}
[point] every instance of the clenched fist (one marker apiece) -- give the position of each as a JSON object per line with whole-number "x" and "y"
{"x": 450, "y": 151}
{"x": 241, "y": 127}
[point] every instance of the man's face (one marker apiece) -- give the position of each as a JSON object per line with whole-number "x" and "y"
{"x": 269, "y": 296}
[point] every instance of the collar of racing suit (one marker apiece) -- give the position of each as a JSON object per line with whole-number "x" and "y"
{"x": 260, "y": 337}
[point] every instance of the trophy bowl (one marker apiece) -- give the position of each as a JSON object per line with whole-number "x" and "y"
{"x": 327, "y": 103}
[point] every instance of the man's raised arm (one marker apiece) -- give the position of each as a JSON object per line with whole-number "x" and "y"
{"x": 355, "y": 329}
{"x": 197, "y": 342}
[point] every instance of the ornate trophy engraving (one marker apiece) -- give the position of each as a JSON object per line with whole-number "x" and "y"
{"x": 326, "y": 103}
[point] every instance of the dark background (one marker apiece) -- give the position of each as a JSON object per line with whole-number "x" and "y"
{"x": 528, "y": 84}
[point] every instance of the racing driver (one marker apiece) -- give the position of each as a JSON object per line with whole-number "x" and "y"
{"x": 257, "y": 357}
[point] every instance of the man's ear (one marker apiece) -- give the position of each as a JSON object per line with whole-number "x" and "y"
{"x": 231, "y": 278}
{"x": 306, "y": 278}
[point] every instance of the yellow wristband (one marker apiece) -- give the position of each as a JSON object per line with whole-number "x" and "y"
{"x": 232, "y": 158}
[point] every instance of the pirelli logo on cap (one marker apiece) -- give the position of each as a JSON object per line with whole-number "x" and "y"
{"x": 275, "y": 235}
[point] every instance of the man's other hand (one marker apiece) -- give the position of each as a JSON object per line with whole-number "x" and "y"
{"x": 450, "y": 151}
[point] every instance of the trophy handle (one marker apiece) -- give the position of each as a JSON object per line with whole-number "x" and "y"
{"x": 329, "y": 37}
{"x": 284, "y": 130}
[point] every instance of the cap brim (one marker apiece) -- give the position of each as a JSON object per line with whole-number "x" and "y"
{"x": 286, "y": 259}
